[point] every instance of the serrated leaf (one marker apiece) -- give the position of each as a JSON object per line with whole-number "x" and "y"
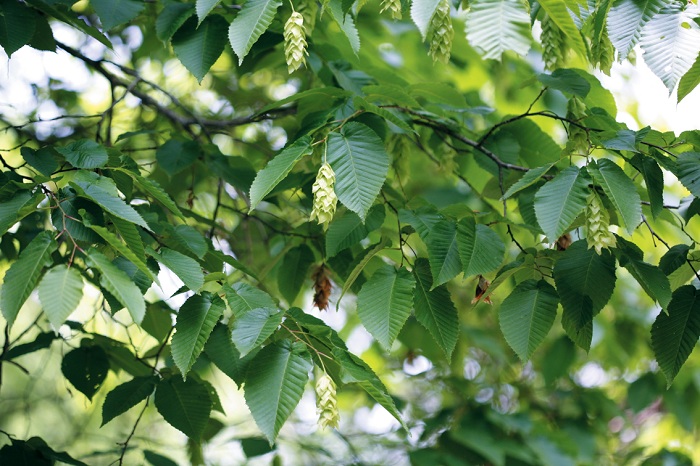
{"x": 195, "y": 321}
{"x": 274, "y": 384}
{"x": 496, "y": 26}
{"x": 360, "y": 163}
{"x": 86, "y": 368}
{"x": 481, "y": 250}
{"x": 158, "y": 320}
{"x": 17, "y": 26}
{"x": 171, "y": 18}
{"x": 198, "y": 46}
{"x": 223, "y": 353}
{"x": 60, "y": 292}
{"x": 626, "y": 20}
{"x": 527, "y": 315}
{"x": 348, "y": 229}
{"x": 62, "y": 12}
{"x": 204, "y": 7}
{"x": 118, "y": 284}
{"x": 422, "y": 12}
{"x": 674, "y": 258}
{"x": 175, "y": 155}
{"x": 671, "y": 43}
{"x": 689, "y": 171}
{"x": 654, "y": 179}
{"x": 566, "y": 80}
{"x": 357, "y": 270}
{"x": 674, "y": 335}
{"x": 294, "y": 271}
{"x": 434, "y": 308}
{"x": 529, "y": 178}
{"x": 184, "y": 404}
{"x": 389, "y": 93}
{"x": 243, "y": 298}
{"x": 346, "y": 23}
{"x": 154, "y": 189}
{"x": 443, "y": 250}
{"x": 126, "y": 396}
{"x": 689, "y": 81}
{"x": 23, "y": 275}
{"x": 557, "y": 11}
{"x": 252, "y": 329}
{"x": 44, "y": 159}
{"x": 654, "y": 282}
{"x": 115, "y": 12}
{"x": 188, "y": 239}
{"x": 130, "y": 235}
{"x": 277, "y": 169}
{"x": 250, "y": 23}
{"x": 620, "y": 189}
{"x": 560, "y": 201}
{"x": 422, "y": 220}
{"x": 187, "y": 269}
{"x": 122, "y": 249}
{"x": 384, "y": 303}
{"x": 19, "y": 206}
{"x": 102, "y": 192}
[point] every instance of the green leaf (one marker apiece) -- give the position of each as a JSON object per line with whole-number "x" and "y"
{"x": 294, "y": 271}
{"x": 626, "y": 20}
{"x": 198, "y": 46}
{"x": 422, "y": 220}
{"x": 689, "y": 171}
{"x": 223, "y": 353}
{"x": 674, "y": 335}
{"x": 115, "y": 12}
{"x": 274, "y": 384}
{"x": 23, "y": 275}
{"x": 526, "y": 316}
{"x": 481, "y": 250}
{"x": 156, "y": 459}
{"x": 86, "y": 368}
{"x": 102, "y": 191}
{"x": 195, "y": 321}
{"x": 44, "y": 159}
{"x": 357, "y": 270}
{"x": 171, "y": 18}
{"x": 443, "y": 250}
{"x": 42, "y": 341}
{"x": 19, "y": 206}
{"x": 434, "y": 308}
{"x": 652, "y": 279}
{"x": 184, "y": 404}
{"x": 158, "y": 320}
{"x": 126, "y": 396}
{"x": 360, "y": 163}
{"x": 346, "y": 23}
{"x": 278, "y": 169}
{"x": 560, "y": 201}
{"x": 620, "y": 189}
{"x": 496, "y": 26}
{"x": 689, "y": 81}
{"x": 252, "y": 329}
{"x": 531, "y": 177}
{"x": 250, "y": 23}
{"x": 422, "y": 12}
{"x": 60, "y": 292}
{"x": 175, "y": 155}
{"x": 244, "y": 298}
{"x": 17, "y": 26}
{"x": 154, "y": 189}
{"x": 674, "y": 258}
{"x": 566, "y": 80}
{"x": 654, "y": 179}
{"x": 187, "y": 269}
{"x": 122, "y": 249}
{"x": 557, "y": 11}
{"x": 348, "y": 229}
{"x": 188, "y": 240}
{"x": 384, "y": 303}
{"x": 671, "y": 43}
{"x": 118, "y": 284}
{"x": 204, "y": 7}
{"x": 62, "y": 12}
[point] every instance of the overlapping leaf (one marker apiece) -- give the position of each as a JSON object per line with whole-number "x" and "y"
{"x": 118, "y": 284}
{"x": 481, "y": 250}
{"x": 620, "y": 190}
{"x": 495, "y": 26}
{"x": 126, "y": 396}
{"x": 60, "y": 292}
{"x": 443, "y": 249}
{"x": 198, "y": 46}
{"x": 252, "y": 328}
{"x": 560, "y": 201}
{"x": 626, "y": 20}
{"x": 250, "y": 23}
{"x": 184, "y": 404}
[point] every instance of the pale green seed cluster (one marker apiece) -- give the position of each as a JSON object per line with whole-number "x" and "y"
{"x": 325, "y": 199}
{"x": 553, "y": 44}
{"x": 603, "y": 53}
{"x": 295, "y": 42}
{"x": 578, "y": 142}
{"x": 598, "y": 234}
{"x": 326, "y": 402}
{"x": 394, "y": 6}
{"x": 442, "y": 33}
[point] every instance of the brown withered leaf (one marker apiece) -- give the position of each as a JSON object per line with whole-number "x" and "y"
{"x": 322, "y": 287}
{"x": 481, "y": 288}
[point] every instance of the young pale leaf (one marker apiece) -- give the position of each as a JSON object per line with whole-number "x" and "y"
{"x": 250, "y": 23}
{"x": 434, "y": 308}
{"x": 86, "y": 368}
{"x": 530, "y": 178}
{"x": 626, "y": 21}
{"x": 187, "y": 269}
{"x": 443, "y": 250}
{"x": 126, "y": 396}
{"x": 115, "y": 12}
{"x": 252, "y": 329}
{"x": 620, "y": 190}
{"x": 422, "y": 12}
{"x": 198, "y": 46}
{"x": 560, "y": 201}
{"x": 277, "y": 169}
{"x": 689, "y": 171}
{"x": 671, "y": 43}
{"x": 84, "y": 154}
{"x": 223, "y": 353}
{"x": 204, "y": 7}
{"x": 244, "y": 298}
{"x": 118, "y": 284}
{"x": 384, "y": 303}
{"x": 195, "y": 321}
{"x": 495, "y": 26}
{"x": 527, "y": 314}
{"x": 360, "y": 163}
{"x": 23, "y": 275}
{"x": 674, "y": 335}
{"x": 60, "y": 292}
{"x": 184, "y": 404}
{"x": 480, "y": 248}
{"x": 558, "y": 12}
{"x": 294, "y": 271}
{"x": 274, "y": 384}
{"x": 689, "y": 81}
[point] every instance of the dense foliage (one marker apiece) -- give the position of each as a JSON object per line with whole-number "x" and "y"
{"x": 325, "y": 168}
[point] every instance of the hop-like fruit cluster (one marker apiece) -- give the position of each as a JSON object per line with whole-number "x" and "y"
{"x": 578, "y": 137}
{"x": 325, "y": 199}
{"x": 326, "y": 402}
{"x": 394, "y": 6}
{"x": 441, "y": 33}
{"x": 553, "y": 44}
{"x": 603, "y": 53}
{"x": 295, "y": 42}
{"x": 598, "y": 234}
